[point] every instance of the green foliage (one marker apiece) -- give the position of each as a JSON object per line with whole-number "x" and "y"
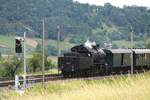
{"x": 10, "y": 66}
{"x": 38, "y": 47}
{"x": 74, "y": 18}
{"x": 35, "y": 63}
{"x": 78, "y": 22}
{"x": 78, "y": 39}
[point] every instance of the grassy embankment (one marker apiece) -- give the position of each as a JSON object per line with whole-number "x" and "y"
{"x": 122, "y": 88}
{"x": 50, "y": 71}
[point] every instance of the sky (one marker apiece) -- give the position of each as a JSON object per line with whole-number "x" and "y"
{"x": 118, "y": 3}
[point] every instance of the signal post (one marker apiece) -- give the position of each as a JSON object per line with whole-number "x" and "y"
{"x": 18, "y": 50}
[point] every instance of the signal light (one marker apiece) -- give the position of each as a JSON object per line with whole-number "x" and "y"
{"x": 18, "y": 44}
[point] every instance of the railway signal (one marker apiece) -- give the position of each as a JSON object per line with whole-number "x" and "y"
{"x": 18, "y": 49}
{"x": 18, "y": 45}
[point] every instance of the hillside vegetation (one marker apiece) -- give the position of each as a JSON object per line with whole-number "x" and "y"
{"x": 77, "y": 21}
{"x": 122, "y": 88}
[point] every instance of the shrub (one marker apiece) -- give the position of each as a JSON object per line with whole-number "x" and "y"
{"x": 35, "y": 63}
{"x": 10, "y": 66}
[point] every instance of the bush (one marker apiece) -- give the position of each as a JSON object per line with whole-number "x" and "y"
{"x": 35, "y": 63}
{"x": 10, "y": 66}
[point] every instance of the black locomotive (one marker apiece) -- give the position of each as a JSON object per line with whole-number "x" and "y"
{"x": 84, "y": 60}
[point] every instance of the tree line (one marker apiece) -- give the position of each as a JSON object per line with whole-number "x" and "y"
{"x": 77, "y": 21}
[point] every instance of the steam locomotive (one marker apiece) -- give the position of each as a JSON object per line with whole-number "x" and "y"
{"x": 88, "y": 60}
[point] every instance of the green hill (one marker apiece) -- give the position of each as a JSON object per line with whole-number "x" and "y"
{"x": 77, "y": 21}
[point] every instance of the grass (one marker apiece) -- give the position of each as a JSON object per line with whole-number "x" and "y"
{"x": 122, "y": 88}
{"x": 64, "y": 45}
{"x": 127, "y": 44}
{"x": 50, "y": 71}
{"x": 9, "y": 41}
{"x": 53, "y": 59}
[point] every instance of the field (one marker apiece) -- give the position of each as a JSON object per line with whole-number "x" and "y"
{"x": 122, "y": 88}
{"x": 127, "y": 44}
{"x": 50, "y": 71}
{"x": 9, "y": 43}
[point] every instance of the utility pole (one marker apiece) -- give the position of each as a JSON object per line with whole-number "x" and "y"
{"x": 132, "y": 50}
{"x": 58, "y": 43}
{"x": 24, "y": 61}
{"x": 43, "y": 54}
{"x": 145, "y": 38}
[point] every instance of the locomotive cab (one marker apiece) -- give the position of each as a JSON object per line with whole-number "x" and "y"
{"x": 73, "y": 63}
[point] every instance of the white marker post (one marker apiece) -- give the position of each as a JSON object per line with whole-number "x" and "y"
{"x": 16, "y": 82}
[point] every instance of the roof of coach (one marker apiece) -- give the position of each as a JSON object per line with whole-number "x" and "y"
{"x": 140, "y": 51}
{"x": 120, "y": 50}
{"x": 136, "y": 51}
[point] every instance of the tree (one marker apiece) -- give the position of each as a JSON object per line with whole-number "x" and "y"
{"x": 11, "y": 66}
{"x": 69, "y": 13}
{"x": 38, "y": 47}
{"x": 35, "y": 63}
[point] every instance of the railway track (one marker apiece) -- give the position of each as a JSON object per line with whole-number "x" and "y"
{"x": 57, "y": 77}
{"x": 31, "y": 79}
